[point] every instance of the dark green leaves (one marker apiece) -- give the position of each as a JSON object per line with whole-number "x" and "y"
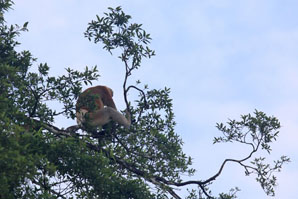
{"x": 36, "y": 161}
{"x": 4, "y": 6}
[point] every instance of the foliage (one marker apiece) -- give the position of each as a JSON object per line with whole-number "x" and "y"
{"x": 40, "y": 160}
{"x": 35, "y": 161}
{"x": 258, "y": 132}
{"x": 114, "y": 31}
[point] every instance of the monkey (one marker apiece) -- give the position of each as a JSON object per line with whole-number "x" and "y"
{"x": 95, "y": 107}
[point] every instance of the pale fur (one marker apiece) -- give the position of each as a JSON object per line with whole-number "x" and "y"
{"x": 102, "y": 116}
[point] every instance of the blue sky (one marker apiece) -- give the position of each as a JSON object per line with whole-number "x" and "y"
{"x": 221, "y": 59}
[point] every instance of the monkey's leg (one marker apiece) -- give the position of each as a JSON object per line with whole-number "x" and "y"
{"x": 118, "y": 117}
{"x": 103, "y": 116}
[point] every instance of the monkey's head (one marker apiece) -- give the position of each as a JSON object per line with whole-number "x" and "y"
{"x": 81, "y": 116}
{"x": 110, "y": 91}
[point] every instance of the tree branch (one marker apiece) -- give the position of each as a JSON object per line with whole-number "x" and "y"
{"x": 157, "y": 180}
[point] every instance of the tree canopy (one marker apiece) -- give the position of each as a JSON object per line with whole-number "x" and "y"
{"x": 40, "y": 160}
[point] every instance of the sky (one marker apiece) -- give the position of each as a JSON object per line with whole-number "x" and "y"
{"x": 221, "y": 59}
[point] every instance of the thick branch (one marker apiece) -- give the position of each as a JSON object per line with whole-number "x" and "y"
{"x": 154, "y": 180}
{"x": 53, "y": 129}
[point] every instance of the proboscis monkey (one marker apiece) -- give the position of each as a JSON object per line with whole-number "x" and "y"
{"x": 96, "y": 107}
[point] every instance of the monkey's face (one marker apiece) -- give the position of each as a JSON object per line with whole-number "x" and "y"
{"x": 81, "y": 116}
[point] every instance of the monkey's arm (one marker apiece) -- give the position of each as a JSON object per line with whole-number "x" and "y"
{"x": 107, "y": 98}
{"x": 109, "y": 102}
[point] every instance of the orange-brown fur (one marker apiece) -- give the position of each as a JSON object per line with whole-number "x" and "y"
{"x": 96, "y": 107}
{"x": 105, "y": 98}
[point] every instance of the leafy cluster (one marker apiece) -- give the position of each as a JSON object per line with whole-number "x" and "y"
{"x": 40, "y": 160}
{"x": 36, "y": 162}
{"x": 114, "y": 31}
{"x": 257, "y": 132}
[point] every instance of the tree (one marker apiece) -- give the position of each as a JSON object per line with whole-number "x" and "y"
{"x": 40, "y": 160}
